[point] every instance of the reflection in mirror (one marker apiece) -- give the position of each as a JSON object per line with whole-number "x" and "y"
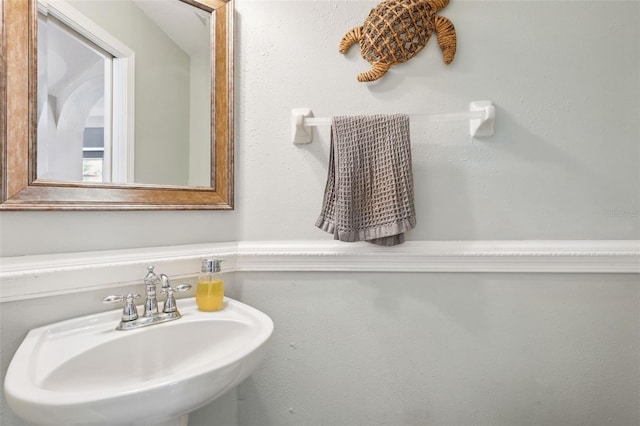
{"x": 74, "y": 83}
{"x": 124, "y": 92}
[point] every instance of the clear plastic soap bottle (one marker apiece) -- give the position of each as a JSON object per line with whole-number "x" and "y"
{"x": 210, "y": 287}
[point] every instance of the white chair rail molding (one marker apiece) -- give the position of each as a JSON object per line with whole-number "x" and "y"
{"x": 26, "y": 277}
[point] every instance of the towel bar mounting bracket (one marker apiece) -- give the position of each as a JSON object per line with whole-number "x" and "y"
{"x": 484, "y": 126}
{"x": 301, "y": 133}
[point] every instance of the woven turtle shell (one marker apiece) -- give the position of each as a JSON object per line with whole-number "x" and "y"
{"x": 396, "y": 30}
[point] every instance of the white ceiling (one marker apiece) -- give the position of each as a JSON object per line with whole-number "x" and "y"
{"x": 188, "y": 26}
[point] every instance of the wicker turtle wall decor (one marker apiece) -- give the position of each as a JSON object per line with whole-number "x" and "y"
{"x": 396, "y": 30}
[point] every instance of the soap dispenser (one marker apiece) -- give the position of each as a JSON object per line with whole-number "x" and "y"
{"x": 210, "y": 287}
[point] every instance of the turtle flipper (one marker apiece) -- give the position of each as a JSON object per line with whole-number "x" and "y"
{"x": 446, "y": 38}
{"x": 377, "y": 70}
{"x": 349, "y": 39}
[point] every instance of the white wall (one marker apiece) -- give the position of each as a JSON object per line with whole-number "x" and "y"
{"x": 63, "y": 232}
{"x": 564, "y": 76}
{"x": 358, "y": 348}
{"x": 444, "y": 349}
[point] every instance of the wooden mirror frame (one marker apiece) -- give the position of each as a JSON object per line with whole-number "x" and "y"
{"x": 21, "y": 190}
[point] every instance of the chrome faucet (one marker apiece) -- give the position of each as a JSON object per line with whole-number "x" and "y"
{"x": 130, "y": 319}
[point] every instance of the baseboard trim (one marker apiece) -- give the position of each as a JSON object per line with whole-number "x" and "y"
{"x": 35, "y": 276}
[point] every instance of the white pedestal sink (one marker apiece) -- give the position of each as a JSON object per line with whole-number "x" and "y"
{"x": 84, "y": 372}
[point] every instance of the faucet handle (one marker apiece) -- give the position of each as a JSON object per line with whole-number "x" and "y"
{"x": 177, "y": 289}
{"x": 166, "y": 285}
{"x": 170, "y": 302}
{"x": 181, "y": 287}
{"x": 115, "y": 298}
{"x": 130, "y": 311}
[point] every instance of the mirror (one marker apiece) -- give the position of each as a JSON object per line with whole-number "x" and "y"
{"x": 70, "y": 143}
{"x": 96, "y": 59}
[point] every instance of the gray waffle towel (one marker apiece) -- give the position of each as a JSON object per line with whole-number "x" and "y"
{"x": 369, "y": 191}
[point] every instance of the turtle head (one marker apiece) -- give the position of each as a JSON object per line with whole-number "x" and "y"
{"x": 439, "y": 4}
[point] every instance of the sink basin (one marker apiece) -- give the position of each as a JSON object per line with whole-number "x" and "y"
{"x": 83, "y": 371}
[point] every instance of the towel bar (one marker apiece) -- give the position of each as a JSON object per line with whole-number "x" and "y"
{"x": 481, "y": 117}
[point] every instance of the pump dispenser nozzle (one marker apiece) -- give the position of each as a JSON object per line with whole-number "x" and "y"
{"x": 211, "y": 265}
